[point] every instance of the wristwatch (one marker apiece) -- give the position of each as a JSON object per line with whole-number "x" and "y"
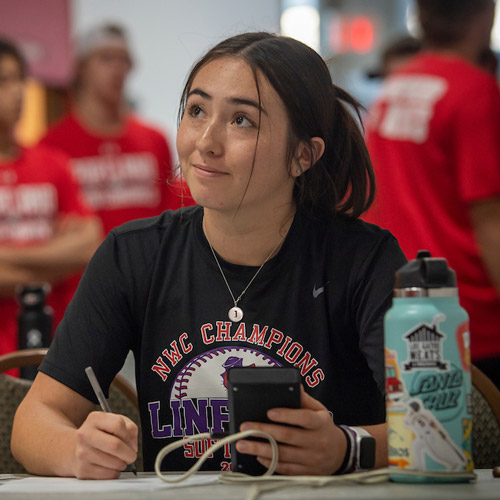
{"x": 365, "y": 449}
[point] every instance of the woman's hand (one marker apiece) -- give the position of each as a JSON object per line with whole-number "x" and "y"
{"x": 105, "y": 444}
{"x": 314, "y": 446}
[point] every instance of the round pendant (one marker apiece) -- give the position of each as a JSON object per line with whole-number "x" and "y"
{"x": 235, "y": 314}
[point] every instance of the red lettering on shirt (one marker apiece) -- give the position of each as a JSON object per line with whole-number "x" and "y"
{"x": 275, "y": 338}
{"x": 298, "y": 351}
{"x": 316, "y": 377}
{"x": 206, "y": 339}
{"x": 304, "y": 364}
{"x": 185, "y": 348}
{"x": 223, "y": 331}
{"x": 174, "y": 355}
{"x": 161, "y": 369}
{"x": 258, "y": 335}
{"x": 241, "y": 333}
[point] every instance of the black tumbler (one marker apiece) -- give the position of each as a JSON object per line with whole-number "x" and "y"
{"x": 34, "y": 321}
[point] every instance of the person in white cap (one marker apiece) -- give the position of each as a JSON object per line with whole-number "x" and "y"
{"x": 123, "y": 164}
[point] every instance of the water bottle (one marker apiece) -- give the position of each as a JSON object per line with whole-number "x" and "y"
{"x": 428, "y": 381}
{"x": 34, "y": 321}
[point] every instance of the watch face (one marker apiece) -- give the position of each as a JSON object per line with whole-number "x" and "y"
{"x": 366, "y": 459}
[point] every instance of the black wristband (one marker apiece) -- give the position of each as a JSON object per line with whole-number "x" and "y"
{"x": 347, "y": 458}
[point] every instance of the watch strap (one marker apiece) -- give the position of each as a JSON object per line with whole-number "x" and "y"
{"x": 348, "y": 465}
{"x": 365, "y": 449}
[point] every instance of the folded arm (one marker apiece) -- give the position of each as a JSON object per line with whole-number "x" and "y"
{"x": 68, "y": 251}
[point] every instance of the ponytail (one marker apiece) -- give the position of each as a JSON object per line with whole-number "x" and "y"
{"x": 342, "y": 181}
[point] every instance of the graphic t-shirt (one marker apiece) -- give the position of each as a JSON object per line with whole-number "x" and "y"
{"x": 433, "y": 136}
{"x": 124, "y": 177}
{"x": 154, "y": 287}
{"x": 36, "y": 190}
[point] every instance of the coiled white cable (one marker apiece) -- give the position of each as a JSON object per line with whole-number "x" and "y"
{"x": 220, "y": 443}
{"x": 267, "y": 482}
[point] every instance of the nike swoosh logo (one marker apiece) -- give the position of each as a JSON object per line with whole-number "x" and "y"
{"x": 318, "y": 291}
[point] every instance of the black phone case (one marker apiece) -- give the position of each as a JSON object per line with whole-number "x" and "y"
{"x": 252, "y": 391}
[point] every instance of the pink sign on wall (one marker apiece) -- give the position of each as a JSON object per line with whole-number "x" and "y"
{"x": 41, "y": 29}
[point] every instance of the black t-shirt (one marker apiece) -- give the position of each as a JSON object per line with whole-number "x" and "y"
{"x": 154, "y": 287}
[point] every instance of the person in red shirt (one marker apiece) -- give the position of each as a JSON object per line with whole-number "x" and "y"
{"x": 123, "y": 165}
{"x": 433, "y": 136}
{"x": 47, "y": 231}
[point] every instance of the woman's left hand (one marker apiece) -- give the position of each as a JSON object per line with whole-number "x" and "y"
{"x": 313, "y": 446}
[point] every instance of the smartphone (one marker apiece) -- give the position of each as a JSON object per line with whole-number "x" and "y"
{"x": 252, "y": 391}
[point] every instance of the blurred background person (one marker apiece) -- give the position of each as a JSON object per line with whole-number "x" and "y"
{"x": 433, "y": 136}
{"x": 396, "y": 53}
{"x": 123, "y": 165}
{"x": 488, "y": 61}
{"x": 47, "y": 233}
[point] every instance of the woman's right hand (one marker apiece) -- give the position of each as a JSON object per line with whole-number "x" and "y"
{"x": 105, "y": 444}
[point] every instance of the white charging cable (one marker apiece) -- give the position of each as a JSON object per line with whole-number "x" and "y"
{"x": 267, "y": 482}
{"x": 220, "y": 443}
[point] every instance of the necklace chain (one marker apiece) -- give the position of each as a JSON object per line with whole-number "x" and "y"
{"x": 253, "y": 278}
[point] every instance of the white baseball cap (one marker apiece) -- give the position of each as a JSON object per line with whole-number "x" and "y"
{"x": 100, "y": 37}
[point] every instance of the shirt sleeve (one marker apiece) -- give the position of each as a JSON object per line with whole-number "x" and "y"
{"x": 97, "y": 329}
{"x": 373, "y": 297}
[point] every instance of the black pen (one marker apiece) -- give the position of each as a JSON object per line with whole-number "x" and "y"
{"x": 102, "y": 401}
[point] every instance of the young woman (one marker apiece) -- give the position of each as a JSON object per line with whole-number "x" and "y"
{"x": 271, "y": 268}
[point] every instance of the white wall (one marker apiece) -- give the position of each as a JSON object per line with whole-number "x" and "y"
{"x": 168, "y": 36}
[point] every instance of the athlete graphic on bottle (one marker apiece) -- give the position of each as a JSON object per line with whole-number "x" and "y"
{"x": 431, "y": 439}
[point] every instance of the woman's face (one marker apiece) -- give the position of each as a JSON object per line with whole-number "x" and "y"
{"x": 217, "y": 139}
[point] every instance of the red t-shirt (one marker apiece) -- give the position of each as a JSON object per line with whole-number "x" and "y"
{"x": 36, "y": 190}
{"x": 434, "y": 139}
{"x": 124, "y": 177}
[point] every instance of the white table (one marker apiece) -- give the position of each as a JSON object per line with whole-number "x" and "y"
{"x": 485, "y": 488}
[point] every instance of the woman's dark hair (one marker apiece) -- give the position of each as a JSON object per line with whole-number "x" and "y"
{"x": 445, "y": 21}
{"x": 342, "y": 180}
{"x": 7, "y": 48}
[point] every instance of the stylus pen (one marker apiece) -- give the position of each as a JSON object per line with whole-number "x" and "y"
{"x": 102, "y": 401}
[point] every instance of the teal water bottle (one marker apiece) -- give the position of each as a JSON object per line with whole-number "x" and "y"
{"x": 428, "y": 382}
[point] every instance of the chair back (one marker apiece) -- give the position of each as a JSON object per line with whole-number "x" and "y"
{"x": 486, "y": 425}
{"x": 122, "y": 399}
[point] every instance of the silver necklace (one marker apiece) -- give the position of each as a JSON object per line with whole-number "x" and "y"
{"x": 236, "y": 313}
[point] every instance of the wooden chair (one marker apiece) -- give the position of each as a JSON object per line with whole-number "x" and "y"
{"x": 122, "y": 399}
{"x": 486, "y": 425}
